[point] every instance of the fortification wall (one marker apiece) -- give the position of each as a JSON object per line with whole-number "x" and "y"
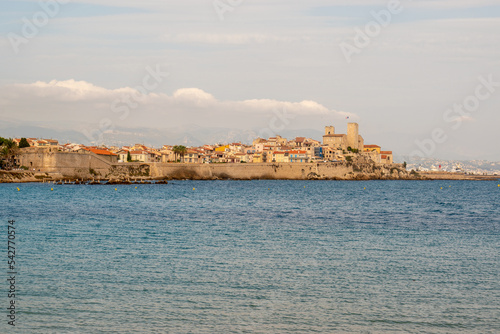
{"x": 289, "y": 171}
{"x": 84, "y": 164}
{"x": 244, "y": 171}
{"x": 89, "y": 166}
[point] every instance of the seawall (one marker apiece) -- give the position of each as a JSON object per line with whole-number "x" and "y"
{"x": 286, "y": 171}
{"x": 50, "y": 164}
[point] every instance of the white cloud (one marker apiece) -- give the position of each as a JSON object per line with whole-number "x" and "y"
{"x": 67, "y": 91}
{"x": 192, "y": 96}
{"x": 85, "y": 102}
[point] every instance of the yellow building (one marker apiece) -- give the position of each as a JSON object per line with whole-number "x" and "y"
{"x": 372, "y": 148}
{"x": 222, "y": 148}
{"x": 258, "y": 158}
{"x": 280, "y": 156}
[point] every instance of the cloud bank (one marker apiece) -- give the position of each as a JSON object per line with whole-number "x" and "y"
{"x": 70, "y": 102}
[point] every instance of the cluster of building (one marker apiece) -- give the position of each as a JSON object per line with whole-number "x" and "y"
{"x": 334, "y": 147}
{"x": 37, "y": 142}
{"x": 474, "y": 167}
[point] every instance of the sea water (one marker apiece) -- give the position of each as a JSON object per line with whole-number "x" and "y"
{"x": 254, "y": 257}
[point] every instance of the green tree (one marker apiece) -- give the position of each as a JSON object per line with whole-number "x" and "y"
{"x": 23, "y": 143}
{"x": 179, "y": 150}
{"x": 353, "y": 150}
{"x": 129, "y": 157}
{"x": 8, "y": 152}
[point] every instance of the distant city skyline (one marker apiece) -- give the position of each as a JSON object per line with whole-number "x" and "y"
{"x": 420, "y": 77}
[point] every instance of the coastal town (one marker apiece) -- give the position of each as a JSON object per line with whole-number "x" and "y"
{"x": 473, "y": 167}
{"x": 334, "y": 147}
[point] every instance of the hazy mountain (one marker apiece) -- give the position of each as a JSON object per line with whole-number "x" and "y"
{"x": 190, "y": 136}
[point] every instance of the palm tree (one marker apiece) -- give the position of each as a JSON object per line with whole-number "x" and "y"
{"x": 175, "y": 149}
{"x": 179, "y": 150}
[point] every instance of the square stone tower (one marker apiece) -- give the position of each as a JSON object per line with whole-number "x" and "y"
{"x": 329, "y": 130}
{"x": 353, "y": 135}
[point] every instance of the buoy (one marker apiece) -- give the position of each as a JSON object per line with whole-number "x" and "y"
{"x": 51, "y": 189}
{"x": 194, "y": 188}
{"x": 116, "y": 189}
{"x": 449, "y": 187}
{"x": 441, "y": 187}
{"x": 365, "y": 188}
{"x": 18, "y": 189}
{"x": 135, "y": 187}
{"x": 268, "y": 188}
{"x": 304, "y": 186}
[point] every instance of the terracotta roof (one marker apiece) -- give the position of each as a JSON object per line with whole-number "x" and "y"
{"x": 297, "y": 152}
{"x": 99, "y": 151}
{"x": 385, "y": 152}
{"x": 384, "y": 157}
{"x": 371, "y": 146}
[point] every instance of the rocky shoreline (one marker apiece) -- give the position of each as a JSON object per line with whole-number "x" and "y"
{"x": 122, "y": 178}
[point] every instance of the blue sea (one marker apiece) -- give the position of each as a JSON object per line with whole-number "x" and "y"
{"x": 254, "y": 257}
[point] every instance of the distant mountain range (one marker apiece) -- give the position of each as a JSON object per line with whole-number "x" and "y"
{"x": 189, "y": 136}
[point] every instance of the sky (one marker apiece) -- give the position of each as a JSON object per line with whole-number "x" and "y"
{"x": 422, "y": 78}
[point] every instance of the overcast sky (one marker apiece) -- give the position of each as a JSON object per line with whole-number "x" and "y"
{"x": 401, "y": 69}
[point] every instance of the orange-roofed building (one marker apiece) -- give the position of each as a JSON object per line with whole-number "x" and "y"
{"x": 193, "y": 156}
{"x": 52, "y": 142}
{"x": 298, "y": 156}
{"x": 280, "y": 156}
{"x": 142, "y": 156}
{"x": 372, "y": 148}
{"x": 110, "y": 156}
{"x": 122, "y": 155}
{"x": 386, "y": 157}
